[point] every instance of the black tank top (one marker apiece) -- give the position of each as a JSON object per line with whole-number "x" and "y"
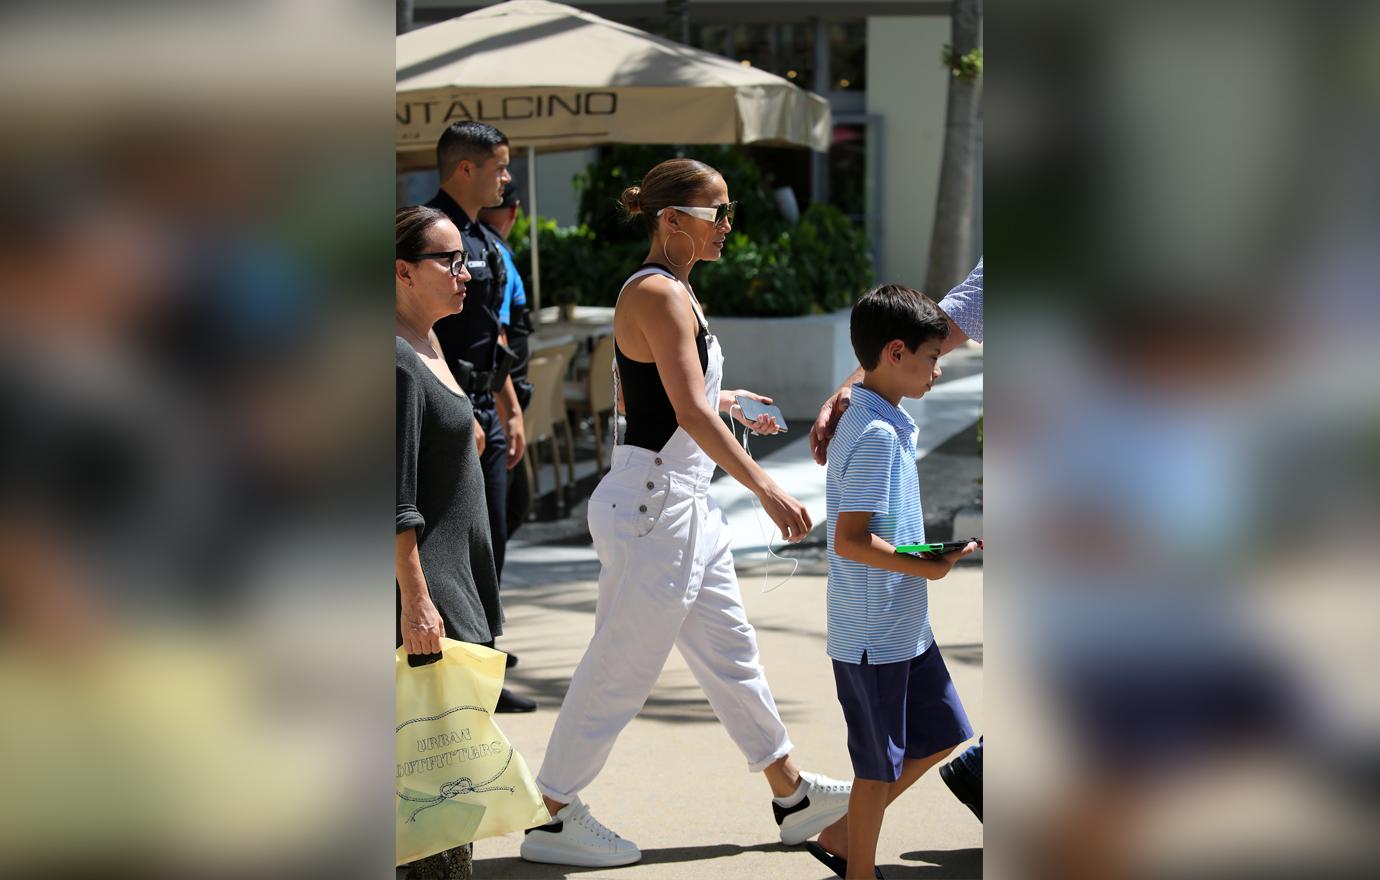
{"x": 651, "y": 418}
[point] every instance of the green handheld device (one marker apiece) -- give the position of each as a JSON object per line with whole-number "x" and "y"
{"x": 938, "y": 547}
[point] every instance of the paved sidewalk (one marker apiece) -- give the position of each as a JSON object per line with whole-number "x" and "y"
{"x": 675, "y": 784}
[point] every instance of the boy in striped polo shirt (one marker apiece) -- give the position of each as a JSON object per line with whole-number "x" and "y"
{"x": 902, "y": 711}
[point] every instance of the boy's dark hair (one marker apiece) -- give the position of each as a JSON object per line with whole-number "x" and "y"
{"x": 475, "y": 141}
{"x": 889, "y": 312}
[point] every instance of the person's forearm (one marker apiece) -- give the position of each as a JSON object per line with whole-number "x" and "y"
{"x": 408, "y": 568}
{"x": 955, "y": 338}
{"x": 506, "y": 398}
{"x": 876, "y": 553}
{"x": 710, "y": 433}
{"x": 507, "y": 401}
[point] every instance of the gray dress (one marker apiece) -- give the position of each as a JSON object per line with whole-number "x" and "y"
{"x": 441, "y": 495}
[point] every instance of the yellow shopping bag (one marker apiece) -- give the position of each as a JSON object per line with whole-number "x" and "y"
{"x": 459, "y": 779}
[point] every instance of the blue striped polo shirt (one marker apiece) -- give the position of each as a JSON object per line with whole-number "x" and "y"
{"x": 872, "y": 469}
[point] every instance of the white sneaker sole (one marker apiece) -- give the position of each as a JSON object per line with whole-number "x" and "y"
{"x": 558, "y": 855}
{"x": 808, "y": 825}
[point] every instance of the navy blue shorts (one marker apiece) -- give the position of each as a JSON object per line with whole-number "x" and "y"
{"x": 896, "y": 711}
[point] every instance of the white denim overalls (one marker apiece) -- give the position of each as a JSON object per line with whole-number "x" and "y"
{"x": 667, "y": 579}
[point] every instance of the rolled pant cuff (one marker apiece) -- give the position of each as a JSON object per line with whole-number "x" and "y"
{"x": 758, "y": 766}
{"x": 559, "y": 797}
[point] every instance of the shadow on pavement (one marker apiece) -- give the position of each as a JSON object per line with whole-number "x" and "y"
{"x": 547, "y": 587}
{"x": 951, "y": 864}
{"x": 514, "y": 868}
{"x": 970, "y": 654}
{"x": 958, "y": 864}
{"x": 524, "y": 573}
{"x": 669, "y": 703}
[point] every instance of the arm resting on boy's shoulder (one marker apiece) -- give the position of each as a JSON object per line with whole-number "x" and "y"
{"x": 510, "y": 416}
{"x": 823, "y": 429}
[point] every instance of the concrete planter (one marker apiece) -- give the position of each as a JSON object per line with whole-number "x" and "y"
{"x": 797, "y": 362}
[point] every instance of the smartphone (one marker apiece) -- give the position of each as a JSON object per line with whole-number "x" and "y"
{"x": 754, "y": 409}
{"x": 939, "y": 547}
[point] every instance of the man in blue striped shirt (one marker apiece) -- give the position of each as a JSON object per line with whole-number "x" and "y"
{"x": 899, "y": 703}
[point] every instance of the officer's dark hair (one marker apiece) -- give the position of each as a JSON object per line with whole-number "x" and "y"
{"x": 673, "y": 182}
{"x": 475, "y": 141}
{"x": 893, "y": 311}
{"x": 410, "y": 232}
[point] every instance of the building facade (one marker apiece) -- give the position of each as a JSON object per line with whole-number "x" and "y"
{"x": 879, "y": 64}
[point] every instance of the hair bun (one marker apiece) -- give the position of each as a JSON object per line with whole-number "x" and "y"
{"x": 631, "y": 200}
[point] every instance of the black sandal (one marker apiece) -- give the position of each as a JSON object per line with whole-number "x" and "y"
{"x": 838, "y": 865}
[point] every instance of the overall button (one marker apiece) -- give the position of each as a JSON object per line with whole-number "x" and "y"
{"x": 658, "y": 461}
{"x": 650, "y": 485}
{"x": 642, "y": 508}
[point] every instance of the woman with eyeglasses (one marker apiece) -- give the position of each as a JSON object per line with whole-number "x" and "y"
{"x": 447, "y": 583}
{"x": 667, "y": 575}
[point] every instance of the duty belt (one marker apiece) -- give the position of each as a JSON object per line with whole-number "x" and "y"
{"x": 483, "y": 383}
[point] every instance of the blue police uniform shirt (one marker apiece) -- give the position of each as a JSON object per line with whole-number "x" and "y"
{"x": 514, "y": 294}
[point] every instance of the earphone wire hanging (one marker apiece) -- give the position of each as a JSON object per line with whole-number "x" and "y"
{"x": 756, "y": 514}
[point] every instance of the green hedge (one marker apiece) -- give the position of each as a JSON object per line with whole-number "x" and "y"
{"x": 768, "y": 267}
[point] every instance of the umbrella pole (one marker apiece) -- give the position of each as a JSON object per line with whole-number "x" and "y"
{"x": 532, "y": 230}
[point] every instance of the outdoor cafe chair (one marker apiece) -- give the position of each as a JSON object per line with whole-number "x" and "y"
{"x": 546, "y": 373}
{"x": 593, "y": 395}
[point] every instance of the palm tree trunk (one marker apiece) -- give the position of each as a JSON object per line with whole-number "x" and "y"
{"x": 952, "y": 239}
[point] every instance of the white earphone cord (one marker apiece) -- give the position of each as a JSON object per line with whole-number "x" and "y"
{"x": 756, "y": 513}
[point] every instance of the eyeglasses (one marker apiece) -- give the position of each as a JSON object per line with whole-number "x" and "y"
{"x": 456, "y": 259}
{"x": 716, "y": 214}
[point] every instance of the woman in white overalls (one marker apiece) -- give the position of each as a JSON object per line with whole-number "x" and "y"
{"x": 667, "y": 573}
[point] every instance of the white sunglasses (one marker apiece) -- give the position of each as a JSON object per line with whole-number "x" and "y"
{"x": 716, "y": 214}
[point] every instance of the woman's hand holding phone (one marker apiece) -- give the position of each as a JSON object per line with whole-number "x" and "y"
{"x": 741, "y": 406}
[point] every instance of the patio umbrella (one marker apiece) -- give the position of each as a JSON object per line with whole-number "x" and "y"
{"x": 553, "y": 77}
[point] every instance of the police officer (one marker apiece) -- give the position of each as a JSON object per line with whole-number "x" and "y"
{"x": 472, "y": 159}
{"x": 517, "y": 324}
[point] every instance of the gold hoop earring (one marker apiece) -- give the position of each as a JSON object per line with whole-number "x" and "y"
{"x": 667, "y": 254}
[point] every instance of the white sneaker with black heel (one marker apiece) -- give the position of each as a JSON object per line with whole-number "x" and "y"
{"x": 574, "y": 837}
{"x": 823, "y": 803}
